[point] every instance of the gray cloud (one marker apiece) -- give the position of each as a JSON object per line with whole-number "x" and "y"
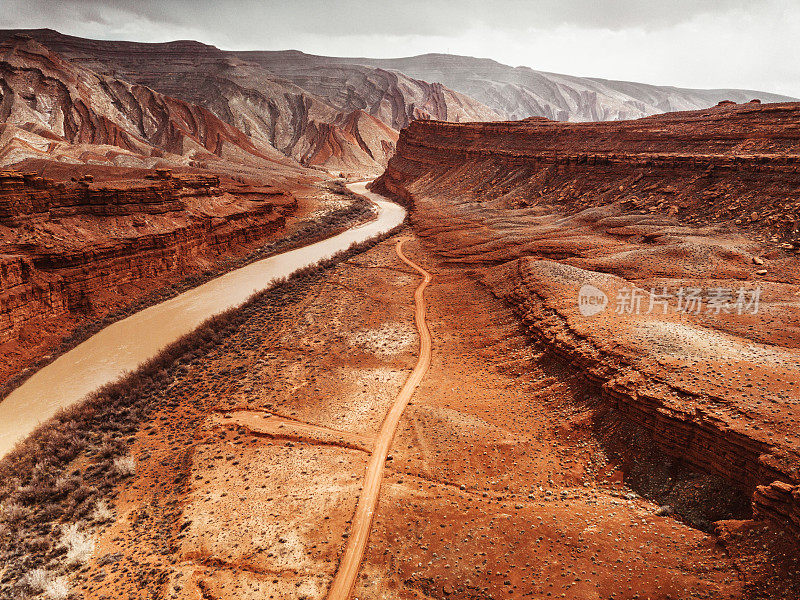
{"x": 419, "y": 17}
{"x": 697, "y": 43}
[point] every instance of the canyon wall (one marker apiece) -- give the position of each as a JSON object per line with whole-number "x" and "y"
{"x": 728, "y": 165}
{"x": 64, "y": 246}
{"x": 335, "y": 117}
{"x": 643, "y": 212}
{"x": 51, "y": 108}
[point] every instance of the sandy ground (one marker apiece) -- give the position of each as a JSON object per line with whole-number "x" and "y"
{"x": 495, "y": 485}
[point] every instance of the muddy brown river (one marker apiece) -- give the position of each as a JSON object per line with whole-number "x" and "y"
{"x": 126, "y": 344}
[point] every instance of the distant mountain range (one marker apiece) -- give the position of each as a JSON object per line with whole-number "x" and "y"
{"x": 339, "y": 114}
{"x": 520, "y": 92}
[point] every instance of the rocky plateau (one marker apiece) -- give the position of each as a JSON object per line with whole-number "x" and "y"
{"x": 644, "y": 211}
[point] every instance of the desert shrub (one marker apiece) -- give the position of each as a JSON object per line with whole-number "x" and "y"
{"x": 125, "y": 465}
{"x": 34, "y": 493}
{"x": 81, "y": 493}
{"x": 66, "y": 483}
{"x": 38, "y": 544}
{"x": 47, "y": 513}
{"x": 37, "y": 580}
{"x": 102, "y": 512}
{"x": 79, "y": 545}
{"x": 14, "y": 513}
{"x": 105, "y": 450}
{"x": 57, "y": 589}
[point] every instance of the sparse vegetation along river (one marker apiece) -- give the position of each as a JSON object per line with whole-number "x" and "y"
{"x": 126, "y": 344}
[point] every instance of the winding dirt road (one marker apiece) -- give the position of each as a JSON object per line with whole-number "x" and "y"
{"x": 345, "y": 579}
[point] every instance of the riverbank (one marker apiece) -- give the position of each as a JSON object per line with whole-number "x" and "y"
{"x": 126, "y": 344}
{"x": 310, "y": 228}
{"x": 71, "y": 469}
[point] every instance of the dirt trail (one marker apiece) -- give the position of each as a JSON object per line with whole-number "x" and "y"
{"x": 345, "y": 579}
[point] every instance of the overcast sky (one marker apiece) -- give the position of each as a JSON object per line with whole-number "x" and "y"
{"x": 689, "y": 43}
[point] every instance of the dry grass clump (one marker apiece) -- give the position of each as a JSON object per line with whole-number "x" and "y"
{"x": 37, "y": 580}
{"x": 42, "y": 581}
{"x": 57, "y": 589}
{"x": 385, "y": 341}
{"x": 79, "y": 545}
{"x": 102, "y": 512}
{"x": 66, "y": 482}
{"x": 125, "y": 466}
{"x": 14, "y": 513}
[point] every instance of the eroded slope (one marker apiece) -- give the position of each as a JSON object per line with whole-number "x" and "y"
{"x": 704, "y": 200}
{"x": 53, "y": 109}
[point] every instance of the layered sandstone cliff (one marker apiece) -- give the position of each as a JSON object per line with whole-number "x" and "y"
{"x": 66, "y": 246}
{"x": 645, "y": 212}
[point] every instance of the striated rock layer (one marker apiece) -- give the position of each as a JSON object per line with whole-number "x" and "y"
{"x": 51, "y": 108}
{"x": 333, "y": 116}
{"x": 301, "y": 104}
{"x": 389, "y": 95}
{"x": 646, "y": 212}
{"x": 64, "y": 246}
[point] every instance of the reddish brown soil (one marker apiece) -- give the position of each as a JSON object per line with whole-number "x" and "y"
{"x": 497, "y": 485}
{"x": 706, "y": 200}
{"x": 547, "y": 453}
